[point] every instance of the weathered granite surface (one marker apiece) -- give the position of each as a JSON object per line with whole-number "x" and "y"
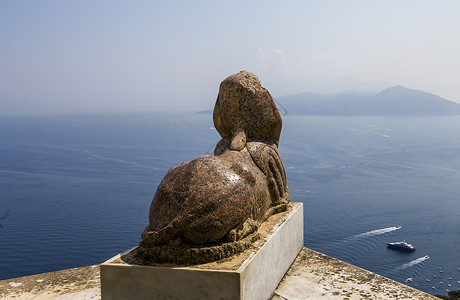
{"x": 210, "y": 207}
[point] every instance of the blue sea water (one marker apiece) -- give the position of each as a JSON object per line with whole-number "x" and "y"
{"x": 76, "y": 189}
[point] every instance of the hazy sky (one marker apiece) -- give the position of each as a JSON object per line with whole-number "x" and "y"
{"x": 173, "y": 54}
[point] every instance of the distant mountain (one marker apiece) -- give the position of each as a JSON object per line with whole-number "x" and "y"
{"x": 393, "y": 101}
{"x": 335, "y": 84}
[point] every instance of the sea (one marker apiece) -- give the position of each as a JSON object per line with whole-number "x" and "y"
{"x": 75, "y": 190}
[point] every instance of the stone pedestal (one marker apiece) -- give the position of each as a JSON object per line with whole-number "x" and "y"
{"x": 253, "y": 274}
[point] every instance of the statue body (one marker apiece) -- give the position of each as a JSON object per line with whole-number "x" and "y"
{"x": 210, "y": 207}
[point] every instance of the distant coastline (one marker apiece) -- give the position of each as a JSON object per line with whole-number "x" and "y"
{"x": 393, "y": 101}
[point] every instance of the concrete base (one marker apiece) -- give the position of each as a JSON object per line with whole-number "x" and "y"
{"x": 256, "y": 275}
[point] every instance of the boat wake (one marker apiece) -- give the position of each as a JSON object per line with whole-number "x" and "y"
{"x": 374, "y": 232}
{"x": 413, "y": 262}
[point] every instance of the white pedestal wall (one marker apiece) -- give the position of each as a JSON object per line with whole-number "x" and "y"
{"x": 256, "y": 278}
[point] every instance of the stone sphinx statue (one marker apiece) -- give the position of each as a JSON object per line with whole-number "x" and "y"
{"x": 210, "y": 207}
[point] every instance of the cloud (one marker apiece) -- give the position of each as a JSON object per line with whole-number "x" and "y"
{"x": 273, "y": 59}
{"x": 272, "y": 64}
{"x": 261, "y": 58}
{"x": 279, "y": 57}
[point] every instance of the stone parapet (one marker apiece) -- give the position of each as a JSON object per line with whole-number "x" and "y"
{"x": 77, "y": 283}
{"x": 312, "y": 276}
{"x": 317, "y": 276}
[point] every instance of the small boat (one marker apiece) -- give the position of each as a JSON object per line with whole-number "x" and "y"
{"x": 403, "y": 246}
{"x": 409, "y": 279}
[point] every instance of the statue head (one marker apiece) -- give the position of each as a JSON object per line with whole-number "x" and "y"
{"x": 245, "y": 110}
